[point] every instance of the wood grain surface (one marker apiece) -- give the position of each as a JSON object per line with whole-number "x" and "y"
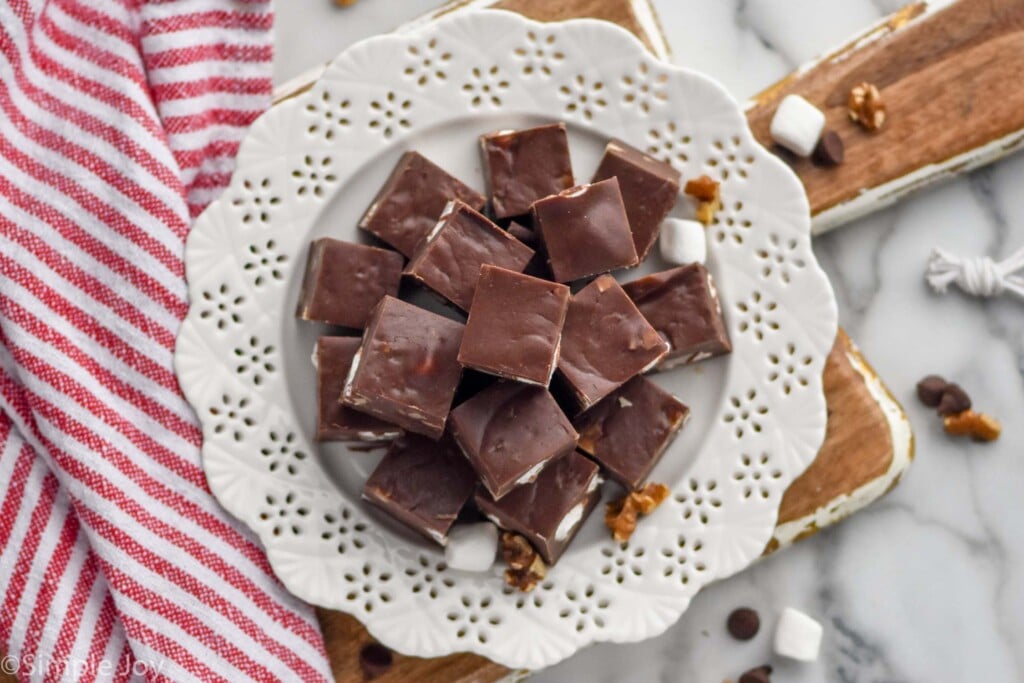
{"x": 950, "y": 81}
{"x": 858, "y": 445}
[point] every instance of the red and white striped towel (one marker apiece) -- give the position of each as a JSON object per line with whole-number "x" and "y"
{"x": 119, "y": 121}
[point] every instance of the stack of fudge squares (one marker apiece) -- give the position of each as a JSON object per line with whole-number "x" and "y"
{"x": 520, "y": 408}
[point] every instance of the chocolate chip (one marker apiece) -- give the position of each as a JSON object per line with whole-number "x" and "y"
{"x": 375, "y": 660}
{"x": 954, "y": 400}
{"x": 829, "y": 151}
{"x": 930, "y": 389}
{"x": 757, "y": 675}
{"x": 743, "y": 623}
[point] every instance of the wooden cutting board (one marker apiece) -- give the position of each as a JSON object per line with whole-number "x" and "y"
{"x": 951, "y": 83}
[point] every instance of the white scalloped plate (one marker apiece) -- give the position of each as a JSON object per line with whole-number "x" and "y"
{"x": 309, "y": 168}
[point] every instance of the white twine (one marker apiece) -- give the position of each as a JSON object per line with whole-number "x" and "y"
{"x": 980, "y": 276}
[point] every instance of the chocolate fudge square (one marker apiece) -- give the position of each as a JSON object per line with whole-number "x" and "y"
{"x": 522, "y": 166}
{"x": 407, "y": 369}
{"x": 514, "y": 326}
{"x": 585, "y": 231}
{"x": 628, "y": 432}
{"x": 605, "y": 342}
{"x": 344, "y": 282}
{"x": 423, "y": 484}
{"x": 682, "y": 304}
{"x": 522, "y": 233}
{"x": 550, "y": 511}
{"x": 449, "y": 259}
{"x": 408, "y": 205}
{"x": 510, "y": 432}
{"x": 649, "y": 190}
{"x": 335, "y": 421}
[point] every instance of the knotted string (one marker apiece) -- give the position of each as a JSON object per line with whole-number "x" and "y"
{"x": 980, "y": 276}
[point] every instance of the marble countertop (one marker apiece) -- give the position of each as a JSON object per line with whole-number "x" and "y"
{"x": 926, "y": 585}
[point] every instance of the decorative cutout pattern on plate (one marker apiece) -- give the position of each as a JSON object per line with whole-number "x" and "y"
{"x": 538, "y": 54}
{"x": 644, "y": 88}
{"x": 427, "y": 62}
{"x": 260, "y": 460}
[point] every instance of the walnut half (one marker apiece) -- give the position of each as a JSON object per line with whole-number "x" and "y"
{"x": 866, "y": 106}
{"x": 978, "y": 426}
{"x": 525, "y": 566}
{"x": 621, "y": 515}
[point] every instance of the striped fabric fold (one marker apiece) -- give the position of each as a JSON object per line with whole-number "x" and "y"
{"x": 119, "y": 122}
{"x": 42, "y": 618}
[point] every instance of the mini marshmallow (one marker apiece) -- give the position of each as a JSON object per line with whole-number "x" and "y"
{"x": 797, "y": 636}
{"x": 682, "y": 241}
{"x": 471, "y": 547}
{"x": 797, "y": 125}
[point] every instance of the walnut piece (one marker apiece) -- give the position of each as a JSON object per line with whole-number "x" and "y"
{"x": 978, "y": 426}
{"x": 709, "y": 198}
{"x": 516, "y": 550}
{"x": 526, "y": 580}
{"x": 866, "y": 106}
{"x": 706, "y": 211}
{"x": 621, "y": 515}
{"x": 650, "y": 497}
{"x": 525, "y": 566}
{"x": 703, "y": 189}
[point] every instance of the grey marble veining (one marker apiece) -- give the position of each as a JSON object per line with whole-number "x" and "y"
{"x": 928, "y": 584}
